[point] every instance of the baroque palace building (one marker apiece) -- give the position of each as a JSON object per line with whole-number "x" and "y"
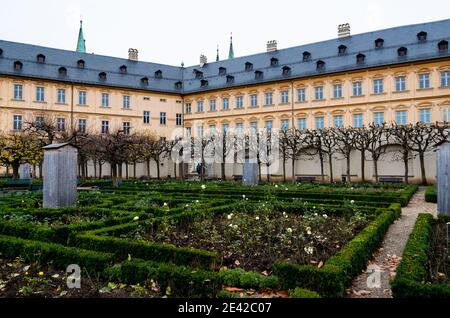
{"x": 400, "y": 74}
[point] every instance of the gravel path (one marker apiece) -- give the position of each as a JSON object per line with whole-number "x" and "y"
{"x": 374, "y": 282}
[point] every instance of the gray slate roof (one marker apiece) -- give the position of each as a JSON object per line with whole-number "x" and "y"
{"x": 327, "y": 51}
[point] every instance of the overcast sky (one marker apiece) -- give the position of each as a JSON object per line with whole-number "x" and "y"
{"x": 172, "y": 31}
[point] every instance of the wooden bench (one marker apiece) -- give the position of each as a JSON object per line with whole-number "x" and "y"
{"x": 390, "y": 179}
{"x": 237, "y": 177}
{"x": 310, "y": 179}
{"x": 18, "y": 184}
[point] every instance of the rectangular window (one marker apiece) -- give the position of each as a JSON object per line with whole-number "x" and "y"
{"x": 269, "y": 98}
{"x": 445, "y": 79}
{"x": 17, "y": 122}
{"x": 378, "y": 86}
{"x": 425, "y": 116}
{"x": 61, "y": 124}
{"x": 338, "y": 121}
{"x": 162, "y": 118}
{"x": 337, "y": 91}
{"x": 126, "y": 102}
{"x": 254, "y": 127}
{"x": 146, "y": 117}
{"x": 319, "y": 92}
{"x": 18, "y": 92}
{"x": 212, "y": 105}
{"x": 285, "y": 97}
{"x": 446, "y": 113}
{"x": 424, "y": 81}
{"x": 82, "y": 98}
{"x": 40, "y": 94}
{"x": 301, "y": 95}
{"x": 82, "y": 125}
{"x": 378, "y": 118}
{"x": 285, "y": 124}
{"x": 126, "y": 127}
{"x": 188, "y": 107}
{"x": 358, "y": 120}
{"x": 254, "y": 101}
{"x": 239, "y": 102}
{"x": 39, "y": 120}
{"x": 225, "y": 103}
{"x": 357, "y": 89}
{"x": 301, "y": 124}
{"x": 199, "y": 106}
{"x": 400, "y": 84}
{"x": 240, "y": 128}
{"x": 179, "y": 119}
{"x": 105, "y": 127}
{"x": 320, "y": 123}
{"x": 188, "y": 131}
{"x": 225, "y": 128}
{"x": 401, "y": 117}
{"x": 105, "y": 100}
{"x": 199, "y": 131}
{"x": 268, "y": 125}
{"x": 212, "y": 130}
{"x": 61, "y": 96}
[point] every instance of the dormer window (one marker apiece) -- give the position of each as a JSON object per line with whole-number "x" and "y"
{"x": 360, "y": 58}
{"x": 40, "y": 58}
{"x": 123, "y": 69}
{"x": 306, "y": 56}
{"x": 102, "y": 76}
{"x": 178, "y": 85}
{"x": 342, "y": 49}
{"x": 198, "y": 74}
{"x": 273, "y": 62}
{"x": 403, "y": 51}
{"x": 81, "y": 64}
{"x": 1, "y": 52}
{"x": 18, "y": 66}
{"x": 259, "y": 75}
{"x": 230, "y": 79}
{"x": 248, "y": 66}
{"x": 144, "y": 81}
{"x": 158, "y": 74}
{"x": 320, "y": 65}
{"x": 422, "y": 36}
{"x": 62, "y": 71}
{"x": 443, "y": 46}
{"x": 203, "y": 83}
{"x": 286, "y": 71}
{"x": 379, "y": 43}
{"x": 222, "y": 71}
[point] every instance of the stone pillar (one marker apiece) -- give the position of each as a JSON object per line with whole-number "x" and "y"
{"x": 443, "y": 179}
{"x": 25, "y": 171}
{"x": 250, "y": 174}
{"x": 60, "y": 176}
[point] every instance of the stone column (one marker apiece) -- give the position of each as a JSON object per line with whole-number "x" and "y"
{"x": 443, "y": 179}
{"x": 25, "y": 171}
{"x": 250, "y": 174}
{"x": 60, "y": 176}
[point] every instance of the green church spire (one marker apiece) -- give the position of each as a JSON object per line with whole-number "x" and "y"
{"x": 231, "y": 53}
{"x": 81, "y": 45}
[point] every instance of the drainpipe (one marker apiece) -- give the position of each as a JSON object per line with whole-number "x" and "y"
{"x": 292, "y": 104}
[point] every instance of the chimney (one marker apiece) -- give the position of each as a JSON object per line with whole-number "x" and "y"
{"x": 271, "y": 46}
{"x": 344, "y": 31}
{"x": 133, "y": 55}
{"x": 203, "y": 60}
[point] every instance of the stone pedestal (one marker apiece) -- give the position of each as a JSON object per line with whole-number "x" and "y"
{"x": 250, "y": 174}
{"x": 25, "y": 171}
{"x": 443, "y": 179}
{"x": 60, "y": 176}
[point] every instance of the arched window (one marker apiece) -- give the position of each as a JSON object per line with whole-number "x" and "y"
{"x": 222, "y": 71}
{"x": 40, "y": 58}
{"x": 306, "y": 56}
{"x": 198, "y": 74}
{"x": 102, "y": 76}
{"x": 230, "y": 79}
{"x": 360, "y": 58}
{"x": 403, "y": 51}
{"x": 178, "y": 85}
{"x": 62, "y": 71}
{"x": 248, "y": 66}
{"x": 259, "y": 75}
{"x": 144, "y": 81}
{"x": 123, "y": 69}
{"x": 81, "y": 64}
{"x": 443, "y": 46}
{"x": 18, "y": 65}
{"x": 342, "y": 49}
{"x": 379, "y": 43}
{"x": 422, "y": 36}
{"x": 286, "y": 71}
{"x": 203, "y": 83}
{"x": 320, "y": 65}
{"x": 273, "y": 61}
{"x": 158, "y": 74}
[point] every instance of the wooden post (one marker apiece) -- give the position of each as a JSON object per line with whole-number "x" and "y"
{"x": 443, "y": 178}
{"x": 25, "y": 171}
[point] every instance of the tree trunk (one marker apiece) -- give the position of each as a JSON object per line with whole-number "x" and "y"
{"x": 348, "y": 169}
{"x": 284, "y": 168}
{"x": 330, "y": 163}
{"x": 363, "y": 166}
{"x": 86, "y": 167}
{"x": 268, "y": 173}
{"x": 40, "y": 170}
{"x": 115, "y": 179}
{"x": 222, "y": 169}
{"x": 120, "y": 171}
{"x": 158, "y": 173}
{"x": 15, "y": 167}
{"x": 375, "y": 165}
{"x": 259, "y": 172}
{"x": 293, "y": 170}
{"x": 175, "y": 170}
{"x": 422, "y": 168}
{"x": 34, "y": 172}
{"x": 134, "y": 169}
{"x": 148, "y": 168}
{"x": 7, "y": 171}
{"x": 100, "y": 166}
{"x": 126, "y": 171}
{"x": 406, "y": 163}
{"x": 95, "y": 169}
{"x": 322, "y": 170}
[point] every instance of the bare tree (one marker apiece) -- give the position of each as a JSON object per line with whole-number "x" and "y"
{"x": 296, "y": 142}
{"x": 328, "y": 144}
{"x": 345, "y": 140}
{"x": 378, "y": 137}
